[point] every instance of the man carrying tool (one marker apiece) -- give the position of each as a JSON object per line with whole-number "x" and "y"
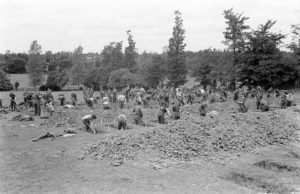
{"x": 88, "y": 122}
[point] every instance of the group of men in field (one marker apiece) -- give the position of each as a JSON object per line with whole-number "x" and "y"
{"x": 262, "y": 102}
{"x": 166, "y": 97}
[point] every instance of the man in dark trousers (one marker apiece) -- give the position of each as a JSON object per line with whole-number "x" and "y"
{"x": 37, "y": 104}
{"x": 62, "y": 99}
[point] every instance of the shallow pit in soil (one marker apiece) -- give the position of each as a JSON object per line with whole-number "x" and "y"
{"x": 275, "y": 166}
{"x": 258, "y": 183}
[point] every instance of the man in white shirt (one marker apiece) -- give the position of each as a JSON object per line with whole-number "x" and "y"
{"x": 122, "y": 100}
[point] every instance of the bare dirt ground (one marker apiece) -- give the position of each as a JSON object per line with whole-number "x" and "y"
{"x": 58, "y": 166}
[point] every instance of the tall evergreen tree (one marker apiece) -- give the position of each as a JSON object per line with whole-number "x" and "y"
{"x": 295, "y": 47}
{"x": 235, "y": 35}
{"x": 79, "y": 70}
{"x": 5, "y": 84}
{"x": 112, "y": 56}
{"x": 177, "y": 70}
{"x": 263, "y": 62}
{"x": 35, "y": 64}
{"x": 130, "y": 55}
{"x": 153, "y": 70}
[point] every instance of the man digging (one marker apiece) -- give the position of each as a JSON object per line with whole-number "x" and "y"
{"x": 88, "y": 122}
{"x": 161, "y": 114}
{"x": 138, "y": 114}
{"x": 122, "y": 124}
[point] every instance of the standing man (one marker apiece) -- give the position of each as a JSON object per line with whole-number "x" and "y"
{"x": 122, "y": 100}
{"x": 114, "y": 98}
{"x": 13, "y": 103}
{"x": 49, "y": 97}
{"x": 241, "y": 101}
{"x": 190, "y": 98}
{"x": 62, "y": 99}
{"x": 25, "y": 96}
{"x": 258, "y": 96}
{"x": 37, "y": 104}
{"x": 74, "y": 99}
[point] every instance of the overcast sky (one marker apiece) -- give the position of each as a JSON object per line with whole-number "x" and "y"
{"x": 62, "y": 25}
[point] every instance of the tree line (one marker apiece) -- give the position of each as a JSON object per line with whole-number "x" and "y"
{"x": 252, "y": 57}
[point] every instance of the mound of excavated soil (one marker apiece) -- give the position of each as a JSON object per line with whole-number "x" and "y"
{"x": 199, "y": 137}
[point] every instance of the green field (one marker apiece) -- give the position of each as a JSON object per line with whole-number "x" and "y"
{"x": 23, "y": 79}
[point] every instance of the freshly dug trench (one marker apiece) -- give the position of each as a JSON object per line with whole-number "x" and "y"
{"x": 275, "y": 166}
{"x": 257, "y": 183}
